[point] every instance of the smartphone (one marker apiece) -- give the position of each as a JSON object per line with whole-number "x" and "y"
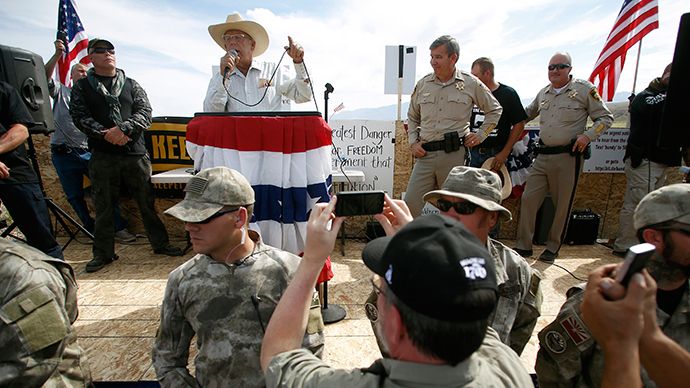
{"x": 636, "y": 260}
{"x": 357, "y": 203}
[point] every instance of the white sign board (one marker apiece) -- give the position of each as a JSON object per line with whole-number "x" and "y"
{"x": 393, "y": 70}
{"x": 366, "y": 145}
{"x": 607, "y": 152}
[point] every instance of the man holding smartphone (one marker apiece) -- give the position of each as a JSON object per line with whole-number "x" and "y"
{"x": 569, "y": 356}
{"x": 473, "y": 196}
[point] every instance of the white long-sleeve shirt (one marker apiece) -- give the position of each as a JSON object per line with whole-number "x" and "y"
{"x": 250, "y": 88}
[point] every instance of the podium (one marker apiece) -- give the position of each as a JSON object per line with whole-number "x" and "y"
{"x": 284, "y": 155}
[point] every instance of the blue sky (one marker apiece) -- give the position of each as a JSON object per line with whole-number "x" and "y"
{"x": 165, "y": 45}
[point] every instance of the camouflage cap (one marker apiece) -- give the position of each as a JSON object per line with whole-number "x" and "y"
{"x": 669, "y": 203}
{"x": 477, "y": 185}
{"x": 210, "y": 190}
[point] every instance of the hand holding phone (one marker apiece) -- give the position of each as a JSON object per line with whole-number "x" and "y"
{"x": 357, "y": 203}
{"x": 636, "y": 260}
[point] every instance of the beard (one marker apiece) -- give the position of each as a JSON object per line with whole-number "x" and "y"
{"x": 666, "y": 267}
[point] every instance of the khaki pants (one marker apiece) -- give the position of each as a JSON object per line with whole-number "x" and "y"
{"x": 557, "y": 174}
{"x": 428, "y": 173}
{"x": 646, "y": 178}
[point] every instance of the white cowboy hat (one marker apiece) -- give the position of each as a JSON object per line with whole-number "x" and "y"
{"x": 235, "y": 22}
{"x": 506, "y": 183}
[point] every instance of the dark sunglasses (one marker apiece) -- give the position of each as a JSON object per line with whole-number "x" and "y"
{"x": 218, "y": 214}
{"x": 377, "y": 282}
{"x": 559, "y": 66}
{"x": 101, "y": 50}
{"x": 459, "y": 207}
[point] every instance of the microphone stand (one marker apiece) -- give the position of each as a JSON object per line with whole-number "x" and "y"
{"x": 329, "y": 89}
{"x": 331, "y": 313}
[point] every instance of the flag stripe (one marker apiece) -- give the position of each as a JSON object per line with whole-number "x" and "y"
{"x": 635, "y": 20}
{"x": 77, "y": 41}
{"x": 286, "y": 160}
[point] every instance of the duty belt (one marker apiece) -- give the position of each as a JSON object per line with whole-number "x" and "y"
{"x": 547, "y": 150}
{"x": 488, "y": 151}
{"x": 451, "y": 142}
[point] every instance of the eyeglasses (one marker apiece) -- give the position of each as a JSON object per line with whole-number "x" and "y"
{"x": 685, "y": 229}
{"x": 101, "y": 50}
{"x": 218, "y": 214}
{"x": 559, "y": 66}
{"x": 377, "y": 282}
{"x": 459, "y": 207}
{"x": 228, "y": 37}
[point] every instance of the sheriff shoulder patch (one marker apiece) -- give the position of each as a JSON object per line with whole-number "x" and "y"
{"x": 595, "y": 94}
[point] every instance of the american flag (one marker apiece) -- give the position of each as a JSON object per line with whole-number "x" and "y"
{"x": 339, "y": 108}
{"x": 636, "y": 19}
{"x": 72, "y": 32}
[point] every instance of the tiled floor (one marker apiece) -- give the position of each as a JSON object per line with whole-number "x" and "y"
{"x": 119, "y": 306}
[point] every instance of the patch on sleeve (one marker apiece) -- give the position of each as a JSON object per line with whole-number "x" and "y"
{"x": 484, "y": 86}
{"x": 555, "y": 342}
{"x": 595, "y": 94}
{"x": 414, "y": 91}
{"x": 576, "y": 329}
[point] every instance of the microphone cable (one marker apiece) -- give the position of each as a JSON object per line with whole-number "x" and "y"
{"x": 270, "y": 82}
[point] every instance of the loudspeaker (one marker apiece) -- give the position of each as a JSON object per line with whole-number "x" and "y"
{"x": 674, "y": 132}
{"x": 25, "y": 71}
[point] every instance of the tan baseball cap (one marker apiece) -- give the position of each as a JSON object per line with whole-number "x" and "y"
{"x": 477, "y": 185}
{"x": 669, "y": 203}
{"x": 209, "y": 190}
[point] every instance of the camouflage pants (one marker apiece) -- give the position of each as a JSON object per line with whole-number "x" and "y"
{"x": 108, "y": 172}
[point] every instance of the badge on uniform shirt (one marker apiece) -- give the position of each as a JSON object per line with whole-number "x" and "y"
{"x": 595, "y": 94}
{"x": 460, "y": 85}
{"x": 572, "y": 94}
{"x": 264, "y": 83}
{"x": 544, "y": 103}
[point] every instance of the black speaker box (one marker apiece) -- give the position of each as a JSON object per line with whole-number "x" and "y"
{"x": 374, "y": 230}
{"x": 674, "y": 132}
{"x": 583, "y": 228}
{"x": 25, "y": 71}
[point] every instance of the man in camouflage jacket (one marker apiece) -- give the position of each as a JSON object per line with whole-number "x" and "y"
{"x": 226, "y": 294}
{"x": 569, "y": 356}
{"x": 38, "y": 297}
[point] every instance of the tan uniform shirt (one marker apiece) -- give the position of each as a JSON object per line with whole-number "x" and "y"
{"x": 563, "y": 116}
{"x": 437, "y": 108}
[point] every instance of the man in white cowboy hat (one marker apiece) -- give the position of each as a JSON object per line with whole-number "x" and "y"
{"x": 243, "y": 83}
{"x": 473, "y": 196}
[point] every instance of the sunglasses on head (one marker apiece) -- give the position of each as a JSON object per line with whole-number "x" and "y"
{"x": 101, "y": 50}
{"x": 459, "y": 207}
{"x": 218, "y": 214}
{"x": 559, "y": 66}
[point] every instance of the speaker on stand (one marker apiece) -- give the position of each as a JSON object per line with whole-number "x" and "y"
{"x": 24, "y": 70}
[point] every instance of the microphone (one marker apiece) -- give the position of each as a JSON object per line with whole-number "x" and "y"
{"x": 227, "y": 69}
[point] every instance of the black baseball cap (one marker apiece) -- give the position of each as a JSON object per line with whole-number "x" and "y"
{"x": 94, "y": 41}
{"x": 430, "y": 264}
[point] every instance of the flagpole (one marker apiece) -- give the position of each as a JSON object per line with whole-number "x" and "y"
{"x": 637, "y": 65}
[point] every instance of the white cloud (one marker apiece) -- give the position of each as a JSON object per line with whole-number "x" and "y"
{"x": 165, "y": 44}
